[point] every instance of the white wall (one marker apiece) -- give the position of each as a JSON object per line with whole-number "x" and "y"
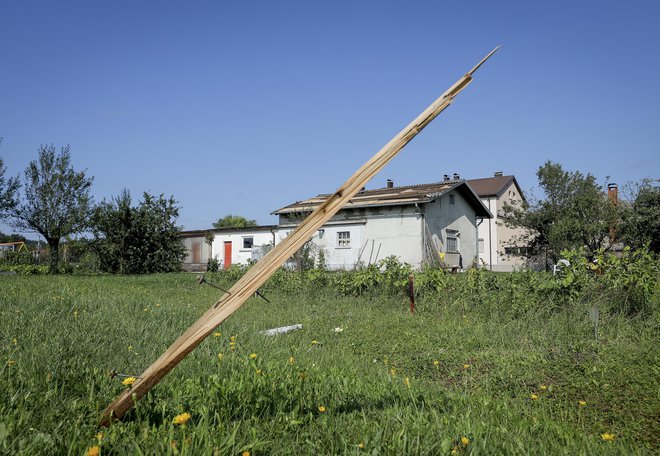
{"x": 239, "y": 255}
{"x": 441, "y": 215}
{"x": 395, "y": 230}
{"x": 375, "y": 233}
{"x": 487, "y": 231}
{"x": 497, "y": 236}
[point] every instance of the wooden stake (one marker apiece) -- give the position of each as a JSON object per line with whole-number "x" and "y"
{"x": 411, "y": 292}
{"x": 260, "y": 272}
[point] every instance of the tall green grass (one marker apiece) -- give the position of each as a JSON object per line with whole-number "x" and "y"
{"x": 362, "y": 377}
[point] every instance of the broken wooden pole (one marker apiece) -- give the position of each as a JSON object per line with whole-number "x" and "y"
{"x": 256, "y": 276}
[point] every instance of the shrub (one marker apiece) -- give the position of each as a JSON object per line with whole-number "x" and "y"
{"x": 212, "y": 265}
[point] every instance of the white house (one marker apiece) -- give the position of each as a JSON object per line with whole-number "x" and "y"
{"x": 238, "y": 245}
{"x": 429, "y": 223}
{"x": 229, "y": 245}
{"x": 453, "y": 223}
{"x": 500, "y": 248}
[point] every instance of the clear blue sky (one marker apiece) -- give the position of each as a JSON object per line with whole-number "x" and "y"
{"x": 244, "y": 107}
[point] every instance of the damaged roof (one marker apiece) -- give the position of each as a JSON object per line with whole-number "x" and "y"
{"x": 395, "y": 196}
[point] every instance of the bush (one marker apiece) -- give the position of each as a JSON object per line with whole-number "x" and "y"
{"x": 25, "y": 269}
{"x": 10, "y": 257}
{"x": 627, "y": 284}
{"x": 212, "y": 265}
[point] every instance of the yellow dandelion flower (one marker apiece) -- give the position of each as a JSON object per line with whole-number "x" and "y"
{"x": 258, "y": 371}
{"x": 217, "y": 334}
{"x": 128, "y": 381}
{"x": 130, "y": 348}
{"x": 99, "y": 436}
{"x": 246, "y": 453}
{"x": 543, "y": 387}
{"x": 146, "y": 309}
{"x": 436, "y": 362}
{"x": 182, "y": 418}
{"x": 466, "y": 366}
{"x": 14, "y": 341}
{"x": 75, "y": 314}
{"x": 393, "y": 372}
{"x": 93, "y": 451}
{"x": 607, "y": 437}
{"x": 232, "y": 339}
{"x": 406, "y": 381}
{"x": 454, "y": 450}
{"x": 291, "y": 360}
{"x": 157, "y": 304}
{"x": 314, "y": 342}
{"x": 465, "y": 440}
{"x": 321, "y": 408}
{"x": 582, "y": 403}
{"x": 11, "y": 362}
{"x": 361, "y": 445}
{"x": 220, "y": 356}
{"x": 534, "y": 396}
{"x": 253, "y": 356}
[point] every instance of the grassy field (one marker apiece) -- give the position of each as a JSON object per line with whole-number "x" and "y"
{"x": 362, "y": 377}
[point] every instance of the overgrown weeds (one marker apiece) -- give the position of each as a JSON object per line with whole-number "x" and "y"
{"x": 509, "y": 363}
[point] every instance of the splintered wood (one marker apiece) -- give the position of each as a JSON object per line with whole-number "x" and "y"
{"x": 260, "y": 272}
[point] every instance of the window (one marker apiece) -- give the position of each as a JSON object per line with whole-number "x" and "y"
{"x": 517, "y": 251}
{"x": 343, "y": 239}
{"x": 452, "y": 241}
{"x": 451, "y": 199}
{"x": 248, "y": 241}
{"x": 480, "y": 246}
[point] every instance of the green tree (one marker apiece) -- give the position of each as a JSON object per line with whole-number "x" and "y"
{"x": 234, "y": 221}
{"x": 640, "y": 224}
{"x": 574, "y": 212}
{"x": 56, "y": 200}
{"x": 8, "y": 189}
{"x": 138, "y": 240}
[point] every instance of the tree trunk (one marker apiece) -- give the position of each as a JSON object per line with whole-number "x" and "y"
{"x": 54, "y": 247}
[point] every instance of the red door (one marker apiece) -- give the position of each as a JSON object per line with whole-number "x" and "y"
{"x": 227, "y": 254}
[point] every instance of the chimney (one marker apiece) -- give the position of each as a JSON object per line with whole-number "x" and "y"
{"x": 457, "y": 176}
{"x": 362, "y": 190}
{"x": 613, "y": 197}
{"x": 613, "y": 193}
{"x": 446, "y": 178}
{"x": 390, "y": 183}
{"x": 498, "y": 174}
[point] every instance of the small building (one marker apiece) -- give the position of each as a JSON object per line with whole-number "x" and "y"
{"x": 501, "y": 248}
{"x": 432, "y": 223}
{"x": 227, "y": 245}
{"x": 238, "y": 245}
{"x": 198, "y": 250}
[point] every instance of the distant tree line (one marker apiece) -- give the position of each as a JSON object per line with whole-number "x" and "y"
{"x": 55, "y": 201}
{"x": 575, "y": 212}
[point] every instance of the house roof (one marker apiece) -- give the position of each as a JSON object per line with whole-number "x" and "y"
{"x": 395, "y": 196}
{"x": 494, "y": 186}
{"x": 247, "y": 229}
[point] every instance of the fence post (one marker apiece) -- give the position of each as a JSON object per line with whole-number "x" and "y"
{"x": 411, "y": 292}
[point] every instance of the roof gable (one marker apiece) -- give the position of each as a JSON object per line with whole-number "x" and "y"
{"x": 494, "y": 186}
